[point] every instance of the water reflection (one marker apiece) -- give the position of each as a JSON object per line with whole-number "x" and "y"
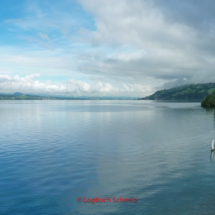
{"x": 212, "y": 156}
{"x": 55, "y": 151}
{"x": 209, "y": 109}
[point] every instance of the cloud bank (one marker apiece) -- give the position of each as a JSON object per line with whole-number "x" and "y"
{"x": 170, "y": 45}
{"x": 75, "y": 88}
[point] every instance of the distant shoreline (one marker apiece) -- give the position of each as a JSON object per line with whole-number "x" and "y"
{"x": 172, "y": 100}
{"x": 20, "y": 96}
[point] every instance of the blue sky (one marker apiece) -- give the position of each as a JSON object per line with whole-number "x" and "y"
{"x": 105, "y": 47}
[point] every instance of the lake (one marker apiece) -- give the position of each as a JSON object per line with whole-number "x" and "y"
{"x": 54, "y": 152}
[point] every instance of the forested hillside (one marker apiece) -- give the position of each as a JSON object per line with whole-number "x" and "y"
{"x": 186, "y": 92}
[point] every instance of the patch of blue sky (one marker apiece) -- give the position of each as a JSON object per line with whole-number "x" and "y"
{"x": 59, "y": 20}
{"x": 11, "y": 9}
{"x": 57, "y": 78}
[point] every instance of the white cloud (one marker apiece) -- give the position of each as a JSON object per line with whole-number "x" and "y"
{"x": 29, "y": 84}
{"x": 43, "y": 36}
{"x": 137, "y": 22}
{"x": 172, "y": 49}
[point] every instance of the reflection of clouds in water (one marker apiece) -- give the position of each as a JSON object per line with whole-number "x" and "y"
{"x": 138, "y": 152}
{"x": 21, "y": 119}
{"x": 114, "y": 148}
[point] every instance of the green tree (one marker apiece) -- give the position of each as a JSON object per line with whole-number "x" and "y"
{"x": 209, "y": 101}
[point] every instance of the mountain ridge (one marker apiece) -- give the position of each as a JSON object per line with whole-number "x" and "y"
{"x": 184, "y": 92}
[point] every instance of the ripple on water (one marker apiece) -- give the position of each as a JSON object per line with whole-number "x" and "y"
{"x": 55, "y": 151}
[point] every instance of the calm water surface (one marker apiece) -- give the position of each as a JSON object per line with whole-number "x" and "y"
{"x": 52, "y": 152}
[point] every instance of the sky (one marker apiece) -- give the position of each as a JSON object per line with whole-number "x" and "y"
{"x": 119, "y": 48}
